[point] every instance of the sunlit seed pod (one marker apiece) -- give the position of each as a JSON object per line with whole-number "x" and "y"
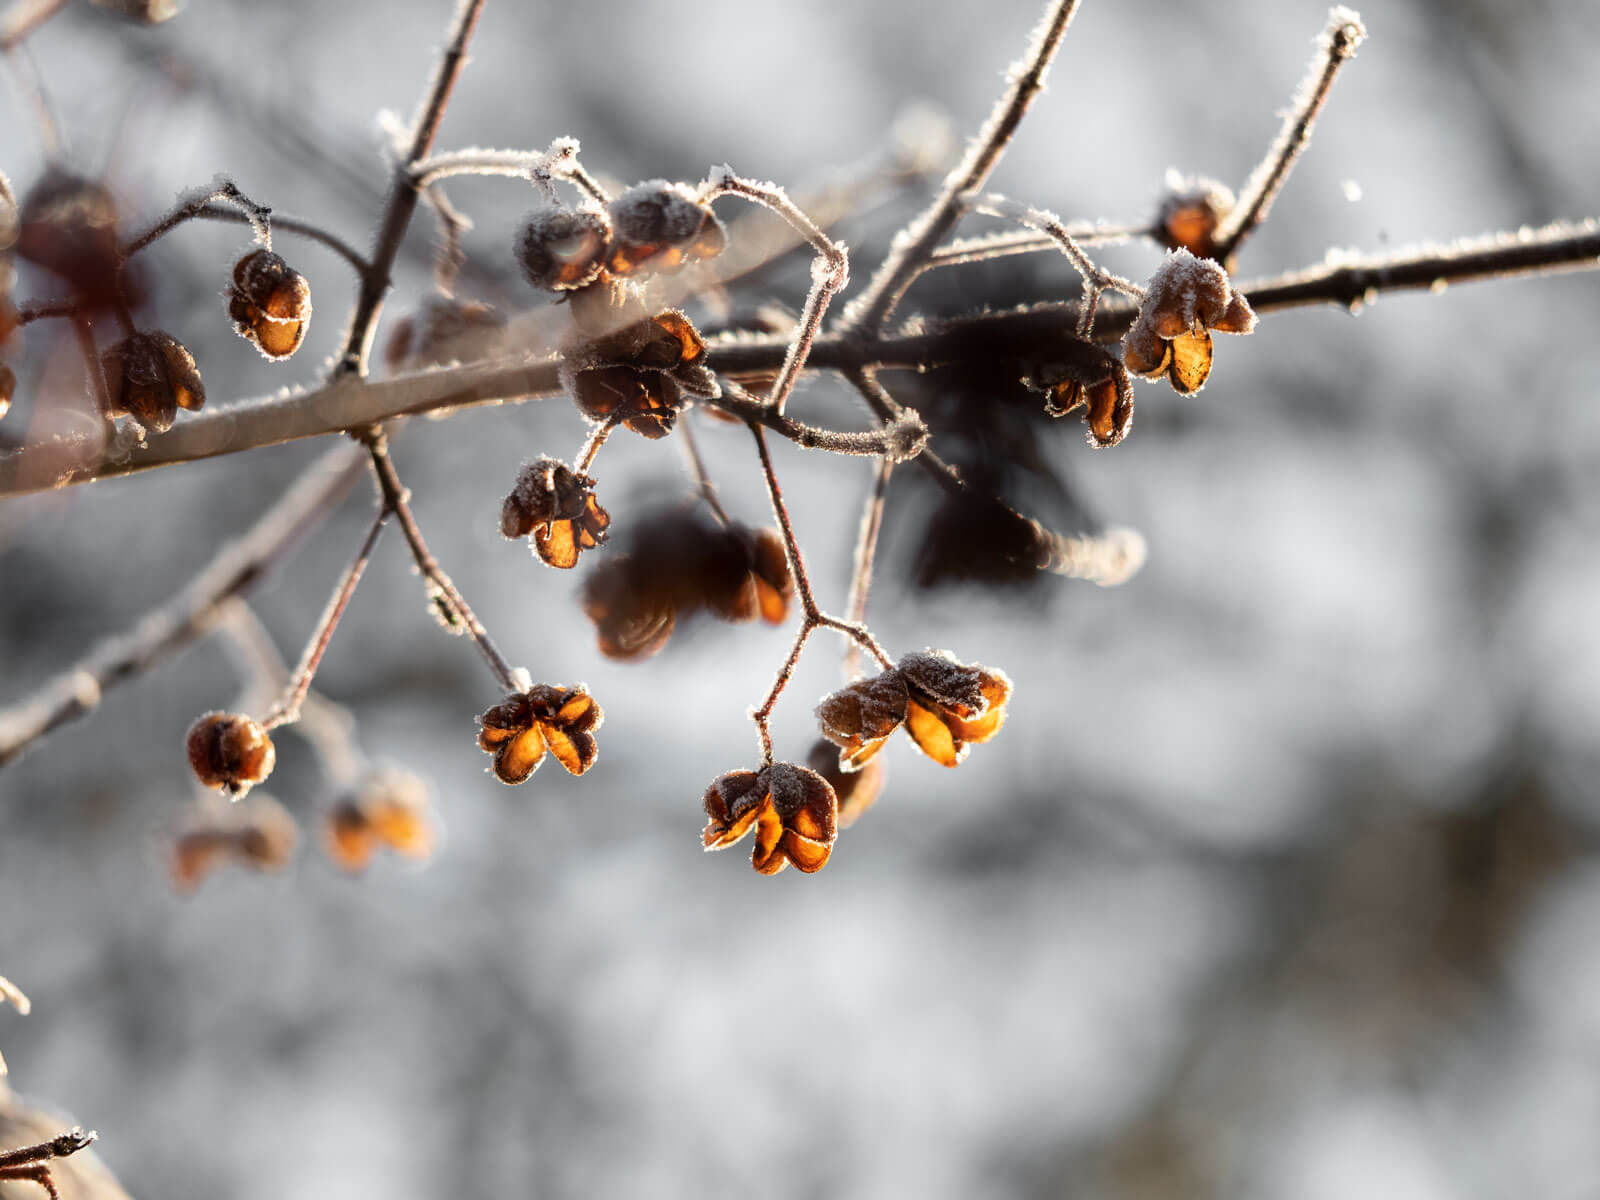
{"x": 661, "y": 227}
{"x": 229, "y": 751}
{"x": 1191, "y": 213}
{"x": 270, "y": 303}
{"x": 149, "y": 375}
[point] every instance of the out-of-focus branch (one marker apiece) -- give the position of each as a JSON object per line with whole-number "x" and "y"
{"x": 189, "y": 614}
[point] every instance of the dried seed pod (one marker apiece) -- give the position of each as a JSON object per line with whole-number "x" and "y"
{"x": 645, "y": 401}
{"x": 229, "y": 751}
{"x": 557, "y": 507}
{"x": 857, "y": 790}
{"x": 562, "y": 249}
{"x": 952, "y": 705}
{"x": 1191, "y": 212}
{"x": 69, "y": 226}
{"x": 792, "y": 809}
{"x": 150, "y": 375}
{"x": 980, "y": 539}
{"x": 1099, "y": 386}
{"x": 1186, "y": 298}
{"x": 860, "y": 717}
{"x": 442, "y": 331}
{"x": 389, "y": 808}
{"x": 630, "y": 622}
{"x": 677, "y": 563}
{"x": 270, "y": 303}
{"x": 945, "y": 705}
{"x": 521, "y": 728}
{"x": 661, "y": 226}
{"x": 256, "y": 832}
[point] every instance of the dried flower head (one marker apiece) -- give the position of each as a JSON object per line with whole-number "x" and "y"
{"x": 442, "y": 331}
{"x": 270, "y": 303}
{"x": 638, "y": 374}
{"x": 518, "y": 730}
{"x": 676, "y": 564}
{"x": 647, "y": 402}
{"x": 792, "y": 810}
{"x": 856, "y": 791}
{"x": 1187, "y": 298}
{"x": 388, "y": 809}
{"x": 661, "y": 226}
{"x": 229, "y": 751}
{"x": 562, "y": 249}
{"x": 1191, "y": 212}
{"x": 557, "y": 506}
{"x": 257, "y": 833}
{"x": 945, "y": 705}
{"x": 150, "y": 375}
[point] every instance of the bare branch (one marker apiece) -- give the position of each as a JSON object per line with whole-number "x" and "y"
{"x": 872, "y": 308}
{"x": 403, "y": 193}
{"x": 286, "y": 710}
{"x": 189, "y": 614}
{"x": 1337, "y": 46}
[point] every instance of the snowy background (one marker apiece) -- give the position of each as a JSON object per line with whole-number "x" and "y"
{"x": 1280, "y": 882}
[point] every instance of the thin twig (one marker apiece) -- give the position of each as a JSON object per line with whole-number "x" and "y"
{"x": 403, "y": 192}
{"x": 865, "y": 557}
{"x": 192, "y": 204}
{"x": 452, "y": 255}
{"x": 702, "y": 476}
{"x": 286, "y": 710}
{"x": 591, "y": 446}
{"x": 1002, "y": 245}
{"x": 1337, "y": 46}
{"x": 1095, "y": 279}
{"x": 830, "y": 271}
{"x": 558, "y": 162}
{"x": 333, "y": 408}
{"x": 166, "y": 630}
{"x": 812, "y": 616}
{"x": 296, "y": 225}
{"x": 397, "y": 500}
{"x": 873, "y": 307}
{"x": 328, "y": 727}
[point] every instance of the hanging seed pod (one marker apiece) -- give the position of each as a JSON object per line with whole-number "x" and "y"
{"x": 229, "y": 751}
{"x": 270, "y": 303}
{"x": 661, "y": 226}
{"x": 149, "y": 376}
{"x": 562, "y": 249}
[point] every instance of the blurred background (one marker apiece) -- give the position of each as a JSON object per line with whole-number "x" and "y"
{"x": 1277, "y": 882}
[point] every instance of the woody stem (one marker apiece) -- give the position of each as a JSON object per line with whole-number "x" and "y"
{"x": 286, "y": 710}
{"x": 397, "y": 500}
